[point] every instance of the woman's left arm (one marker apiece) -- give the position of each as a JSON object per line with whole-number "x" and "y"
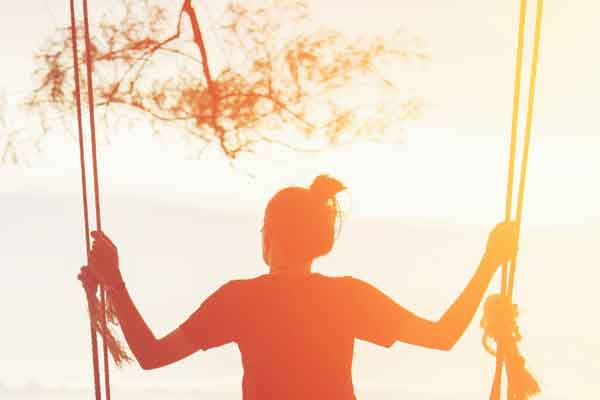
{"x": 444, "y": 333}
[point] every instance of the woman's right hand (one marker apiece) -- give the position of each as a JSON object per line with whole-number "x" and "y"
{"x": 104, "y": 260}
{"x": 502, "y": 244}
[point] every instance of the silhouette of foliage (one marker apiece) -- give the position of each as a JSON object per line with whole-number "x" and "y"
{"x": 15, "y": 144}
{"x": 272, "y": 80}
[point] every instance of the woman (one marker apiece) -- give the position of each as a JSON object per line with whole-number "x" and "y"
{"x": 295, "y": 329}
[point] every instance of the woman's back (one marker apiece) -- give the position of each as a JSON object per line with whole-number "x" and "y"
{"x": 295, "y": 331}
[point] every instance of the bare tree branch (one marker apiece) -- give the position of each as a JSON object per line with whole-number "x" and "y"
{"x": 281, "y": 82}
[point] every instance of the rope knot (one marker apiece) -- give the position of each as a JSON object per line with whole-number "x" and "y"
{"x": 499, "y": 324}
{"x": 102, "y": 313}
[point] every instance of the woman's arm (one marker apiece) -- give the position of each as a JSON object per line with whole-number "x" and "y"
{"x": 444, "y": 333}
{"x": 149, "y": 351}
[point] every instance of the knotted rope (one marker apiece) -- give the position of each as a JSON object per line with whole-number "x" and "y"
{"x": 100, "y": 310}
{"x": 499, "y": 323}
{"x": 101, "y": 318}
{"x": 507, "y": 336}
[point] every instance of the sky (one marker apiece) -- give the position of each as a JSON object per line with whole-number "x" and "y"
{"x": 450, "y": 169}
{"x": 467, "y": 91}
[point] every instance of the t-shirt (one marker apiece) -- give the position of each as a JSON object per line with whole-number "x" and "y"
{"x": 296, "y": 332}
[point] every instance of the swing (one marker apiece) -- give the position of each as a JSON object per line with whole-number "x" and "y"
{"x": 499, "y": 314}
{"x": 97, "y": 311}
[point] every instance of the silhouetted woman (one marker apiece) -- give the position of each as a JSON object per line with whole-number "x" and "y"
{"x": 295, "y": 328}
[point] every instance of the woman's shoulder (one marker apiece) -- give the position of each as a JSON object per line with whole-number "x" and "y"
{"x": 243, "y": 282}
{"x": 352, "y": 284}
{"x": 348, "y": 279}
{"x": 267, "y": 280}
{"x": 247, "y": 283}
{"x": 343, "y": 282}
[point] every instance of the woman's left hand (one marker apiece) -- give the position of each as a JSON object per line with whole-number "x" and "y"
{"x": 502, "y": 243}
{"x": 104, "y": 261}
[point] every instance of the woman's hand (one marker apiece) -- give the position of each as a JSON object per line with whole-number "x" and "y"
{"x": 502, "y": 244}
{"x": 104, "y": 261}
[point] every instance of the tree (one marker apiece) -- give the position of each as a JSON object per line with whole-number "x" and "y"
{"x": 274, "y": 80}
{"x": 13, "y": 141}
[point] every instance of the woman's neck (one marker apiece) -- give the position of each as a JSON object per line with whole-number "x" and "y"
{"x": 291, "y": 269}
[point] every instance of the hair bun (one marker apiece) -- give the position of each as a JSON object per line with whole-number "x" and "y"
{"x": 324, "y": 187}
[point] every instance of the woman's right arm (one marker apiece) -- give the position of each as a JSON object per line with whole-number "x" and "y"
{"x": 149, "y": 351}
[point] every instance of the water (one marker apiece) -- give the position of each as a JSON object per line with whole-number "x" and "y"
{"x": 45, "y": 336}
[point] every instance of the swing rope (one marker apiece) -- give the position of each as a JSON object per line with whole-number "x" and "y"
{"x": 528, "y": 125}
{"x": 100, "y": 311}
{"x": 90, "y": 92}
{"x": 94, "y": 336}
{"x": 92, "y": 120}
{"x": 499, "y": 321}
{"x": 514, "y": 127}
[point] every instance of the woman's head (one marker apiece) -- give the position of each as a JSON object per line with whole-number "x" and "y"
{"x": 299, "y": 223}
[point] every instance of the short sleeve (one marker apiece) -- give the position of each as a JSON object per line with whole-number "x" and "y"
{"x": 215, "y": 322}
{"x": 374, "y": 317}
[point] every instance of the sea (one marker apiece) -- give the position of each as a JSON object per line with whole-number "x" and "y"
{"x": 173, "y": 256}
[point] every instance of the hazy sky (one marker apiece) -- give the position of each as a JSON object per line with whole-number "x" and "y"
{"x": 451, "y": 167}
{"x": 457, "y": 152}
